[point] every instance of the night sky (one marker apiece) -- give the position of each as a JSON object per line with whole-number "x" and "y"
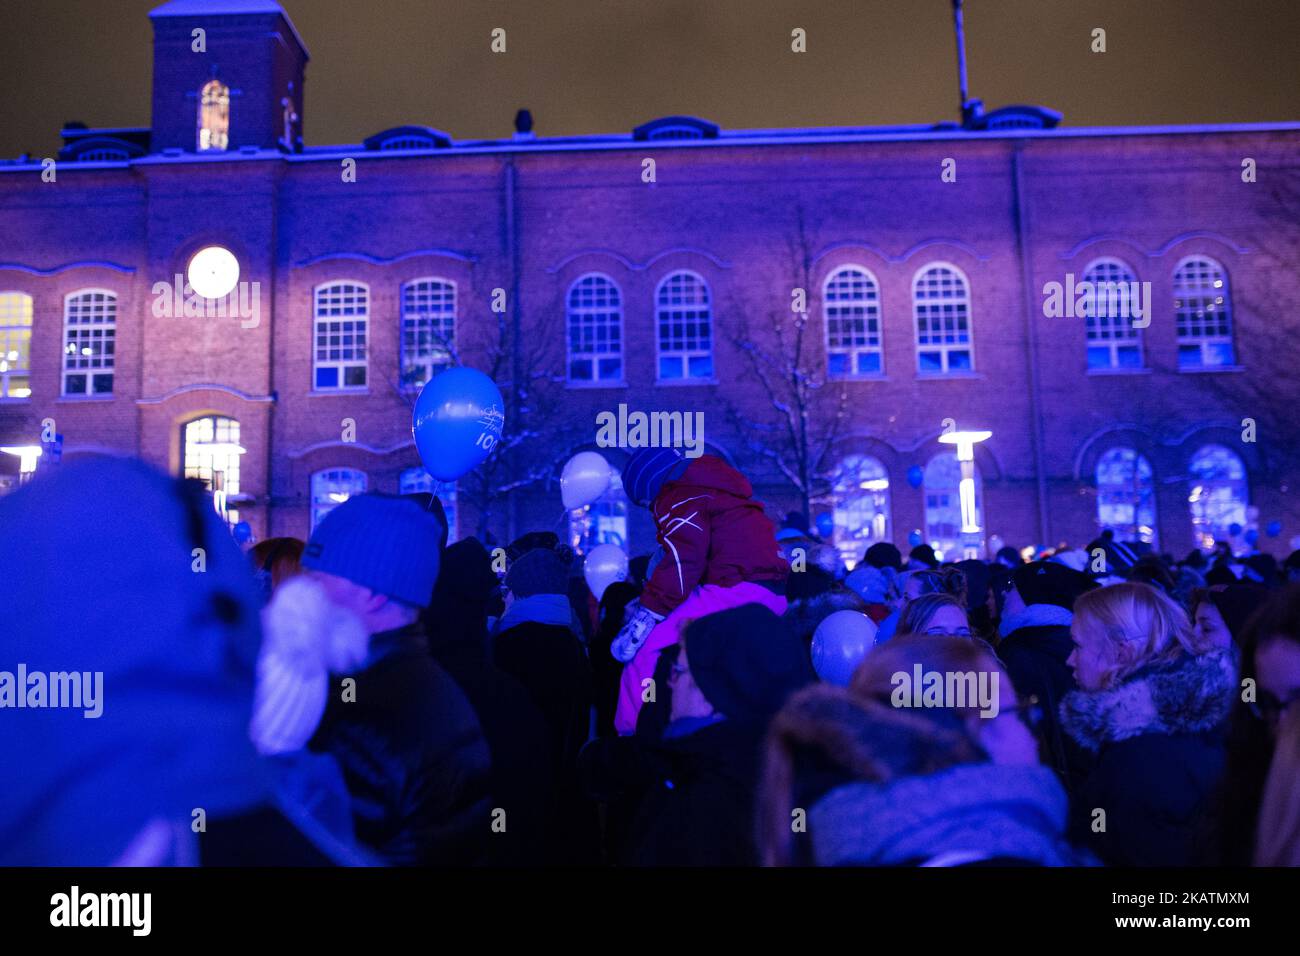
{"x": 595, "y": 66}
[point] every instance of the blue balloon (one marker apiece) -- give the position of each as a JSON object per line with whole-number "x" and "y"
{"x": 1251, "y": 537}
{"x": 915, "y": 539}
{"x": 915, "y": 475}
{"x": 1274, "y": 529}
{"x": 457, "y": 422}
{"x": 1234, "y": 529}
{"x": 243, "y": 532}
{"x": 825, "y": 524}
{"x": 840, "y": 642}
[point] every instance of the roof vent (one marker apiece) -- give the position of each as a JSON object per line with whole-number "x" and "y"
{"x": 408, "y": 137}
{"x": 675, "y": 128}
{"x": 1016, "y": 117}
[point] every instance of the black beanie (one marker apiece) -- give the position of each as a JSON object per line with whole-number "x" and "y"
{"x": 882, "y": 554}
{"x": 538, "y": 572}
{"x": 1236, "y": 603}
{"x": 1046, "y": 582}
{"x": 747, "y": 662}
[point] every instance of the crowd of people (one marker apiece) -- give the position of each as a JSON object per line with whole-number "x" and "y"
{"x": 376, "y": 695}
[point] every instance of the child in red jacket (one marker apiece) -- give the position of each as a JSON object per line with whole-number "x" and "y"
{"x": 719, "y": 552}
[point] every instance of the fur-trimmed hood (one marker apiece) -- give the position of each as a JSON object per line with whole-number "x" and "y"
{"x": 1191, "y": 695}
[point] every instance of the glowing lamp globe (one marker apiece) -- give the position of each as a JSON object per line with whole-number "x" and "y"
{"x": 213, "y": 272}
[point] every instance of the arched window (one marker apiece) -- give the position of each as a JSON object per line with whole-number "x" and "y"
{"x": 943, "y": 521}
{"x": 15, "y": 345}
{"x": 331, "y": 487}
{"x": 1112, "y": 340}
{"x": 860, "y": 506}
{"x": 851, "y": 303}
{"x": 604, "y": 521}
{"x": 1126, "y": 495}
{"x": 1203, "y": 314}
{"x": 428, "y": 328}
{"x": 941, "y": 300}
{"x": 212, "y": 453}
{"x": 685, "y": 325}
{"x": 89, "y": 342}
{"x": 415, "y": 480}
{"x": 1219, "y": 495}
{"x": 342, "y": 331}
{"x": 214, "y": 116}
{"x": 595, "y": 322}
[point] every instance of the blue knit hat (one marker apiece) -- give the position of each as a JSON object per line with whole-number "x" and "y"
{"x": 385, "y": 543}
{"x": 647, "y": 471}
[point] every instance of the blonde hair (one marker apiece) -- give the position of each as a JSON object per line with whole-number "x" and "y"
{"x": 1142, "y": 625}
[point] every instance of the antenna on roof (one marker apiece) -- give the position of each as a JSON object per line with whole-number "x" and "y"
{"x": 970, "y": 109}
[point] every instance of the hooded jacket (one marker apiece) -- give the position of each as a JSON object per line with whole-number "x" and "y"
{"x": 968, "y": 814}
{"x": 712, "y": 531}
{"x": 1159, "y": 741}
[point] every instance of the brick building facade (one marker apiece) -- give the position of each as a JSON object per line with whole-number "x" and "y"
{"x": 656, "y": 285}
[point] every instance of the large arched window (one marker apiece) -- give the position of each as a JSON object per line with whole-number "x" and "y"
{"x": 604, "y": 521}
{"x": 428, "y": 328}
{"x": 416, "y": 480}
{"x": 89, "y": 342}
{"x": 1126, "y": 495}
{"x": 342, "y": 333}
{"x": 1203, "y": 314}
{"x": 1219, "y": 494}
{"x": 851, "y": 304}
{"x": 595, "y": 324}
{"x": 941, "y": 299}
{"x": 684, "y": 319}
{"x": 1112, "y": 340}
{"x": 214, "y": 116}
{"x": 331, "y": 487}
{"x": 212, "y": 453}
{"x": 943, "y": 521}
{"x": 860, "y": 506}
{"x": 15, "y": 345}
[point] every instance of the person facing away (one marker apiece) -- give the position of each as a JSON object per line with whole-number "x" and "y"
{"x": 537, "y": 643}
{"x": 720, "y": 551}
{"x": 1153, "y": 710}
{"x": 410, "y": 747}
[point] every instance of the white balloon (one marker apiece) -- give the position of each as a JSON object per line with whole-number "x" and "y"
{"x": 605, "y": 564}
{"x": 585, "y": 478}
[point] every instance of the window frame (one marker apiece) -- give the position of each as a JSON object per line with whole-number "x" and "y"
{"x": 871, "y": 305}
{"x": 220, "y": 112}
{"x": 1203, "y": 342}
{"x": 341, "y": 365}
{"x": 684, "y": 355}
{"x": 1197, "y": 482}
{"x": 842, "y": 497}
{"x": 956, "y": 539}
{"x": 110, "y": 336}
{"x": 317, "y": 514}
{"x": 14, "y": 331}
{"x": 1133, "y": 488}
{"x": 432, "y": 364}
{"x": 944, "y": 349}
{"x": 595, "y": 357}
{"x": 1113, "y": 344}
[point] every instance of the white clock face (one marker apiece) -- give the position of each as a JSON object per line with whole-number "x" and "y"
{"x": 213, "y": 272}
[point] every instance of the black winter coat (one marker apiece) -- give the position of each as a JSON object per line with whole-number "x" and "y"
{"x": 693, "y": 795}
{"x": 412, "y": 754}
{"x": 1159, "y": 740}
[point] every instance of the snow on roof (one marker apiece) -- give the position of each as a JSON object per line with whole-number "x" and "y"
{"x": 213, "y": 8}
{"x": 196, "y": 8}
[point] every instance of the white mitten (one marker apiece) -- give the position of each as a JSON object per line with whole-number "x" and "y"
{"x": 638, "y": 623}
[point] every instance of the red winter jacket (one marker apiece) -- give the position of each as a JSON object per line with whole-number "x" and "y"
{"x": 712, "y": 531}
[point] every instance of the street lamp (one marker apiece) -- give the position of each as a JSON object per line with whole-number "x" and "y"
{"x": 970, "y": 525}
{"x": 27, "y": 455}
